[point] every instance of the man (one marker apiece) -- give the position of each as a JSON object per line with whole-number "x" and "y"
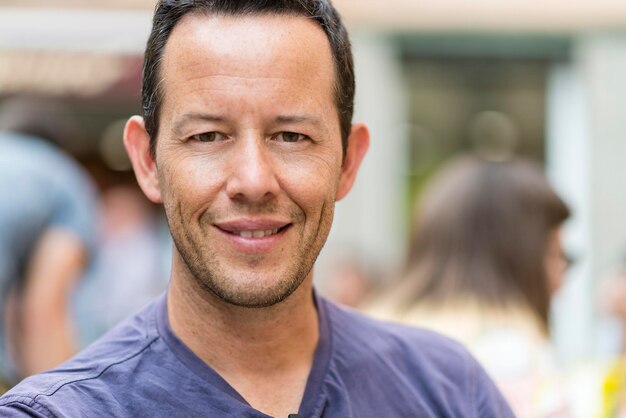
{"x": 47, "y": 223}
{"x": 247, "y": 141}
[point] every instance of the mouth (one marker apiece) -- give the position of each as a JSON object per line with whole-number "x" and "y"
{"x": 258, "y": 233}
{"x": 253, "y": 229}
{"x": 254, "y": 236}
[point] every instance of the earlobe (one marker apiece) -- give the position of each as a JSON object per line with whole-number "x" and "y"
{"x": 358, "y": 143}
{"x": 137, "y": 143}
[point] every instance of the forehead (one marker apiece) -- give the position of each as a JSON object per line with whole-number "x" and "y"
{"x": 283, "y": 49}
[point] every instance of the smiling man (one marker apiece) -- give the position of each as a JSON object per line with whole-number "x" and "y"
{"x": 247, "y": 140}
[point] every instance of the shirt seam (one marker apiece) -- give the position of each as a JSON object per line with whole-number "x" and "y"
{"x": 84, "y": 379}
{"x": 30, "y": 402}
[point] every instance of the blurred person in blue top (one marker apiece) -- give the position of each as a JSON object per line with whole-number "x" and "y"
{"x": 47, "y": 219}
{"x": 247, "y": 140}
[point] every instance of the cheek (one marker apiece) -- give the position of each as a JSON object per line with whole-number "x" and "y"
{"x": 188, "y": 181}
{"x": 310, "y": 181}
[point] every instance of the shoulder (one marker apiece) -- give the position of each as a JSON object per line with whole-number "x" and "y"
{"x": 55, "y": 189}
{"x": 46, "y": 167}
{"x": 417, "y": 362}
{"x": 352, "y": 328}
{"x": 94, "y": 379}
{"x": 28, "y": 153}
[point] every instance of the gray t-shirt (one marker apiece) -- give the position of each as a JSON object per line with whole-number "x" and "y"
{"x": 362, "y": 368}
{"x": 40, "y": 187}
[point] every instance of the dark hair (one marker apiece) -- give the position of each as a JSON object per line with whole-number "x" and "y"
{"x": 169, "y": 12}
{"x": 481, "y": 232}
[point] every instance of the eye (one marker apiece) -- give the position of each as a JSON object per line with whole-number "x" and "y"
{"x": 290, "y": 137}
{"x": 208, "y": 137}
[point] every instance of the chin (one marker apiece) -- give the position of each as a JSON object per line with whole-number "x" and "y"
{"x": 249, "y": 293}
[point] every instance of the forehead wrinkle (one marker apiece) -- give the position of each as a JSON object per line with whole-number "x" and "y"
{"x": 216, "y": 78}
{"x": 203, "y": 87}
{"x": 246, "y": 79}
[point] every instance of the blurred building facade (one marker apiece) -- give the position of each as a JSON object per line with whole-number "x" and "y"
{"x": 434, "y": 78}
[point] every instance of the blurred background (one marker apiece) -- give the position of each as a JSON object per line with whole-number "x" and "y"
{"x": 545, "y": 80}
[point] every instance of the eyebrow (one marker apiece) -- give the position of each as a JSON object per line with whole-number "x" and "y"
{"x": 298, "y": 118}
{"x": 188, "y": 117}
{"x": 206, "y": 117}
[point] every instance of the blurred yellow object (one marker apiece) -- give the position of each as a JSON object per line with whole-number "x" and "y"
{"x": 613, "y": 390}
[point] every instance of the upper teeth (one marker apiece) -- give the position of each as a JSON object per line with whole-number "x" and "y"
{"x": 256, "y": 234}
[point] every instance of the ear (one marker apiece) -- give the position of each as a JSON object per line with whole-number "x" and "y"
{"x": 358, "y": 143}
{"x": 137, "y": 143}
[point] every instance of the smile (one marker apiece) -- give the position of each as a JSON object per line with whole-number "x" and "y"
{"x": 256, "y": 234}
{"x": 253, "y": 229}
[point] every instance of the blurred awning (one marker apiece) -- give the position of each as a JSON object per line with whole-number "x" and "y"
{"x": 77, "y": 74}
{"x": 74, "y": 29}
{"x": 123, "y": 25}
{"x": 544, "y": 16}
{"x": 83, "y": 4}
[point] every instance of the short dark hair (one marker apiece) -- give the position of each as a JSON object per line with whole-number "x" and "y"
{"x": 169, "y": 12}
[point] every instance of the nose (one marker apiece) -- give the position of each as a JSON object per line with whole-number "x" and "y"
{"x": 253, "y": 175}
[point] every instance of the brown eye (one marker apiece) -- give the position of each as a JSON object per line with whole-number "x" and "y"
{"x": 208, "y": 137}
{"x": 290, "y": 137}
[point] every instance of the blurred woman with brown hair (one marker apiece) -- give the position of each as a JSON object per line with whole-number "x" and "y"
{"x": 484, "y": 260}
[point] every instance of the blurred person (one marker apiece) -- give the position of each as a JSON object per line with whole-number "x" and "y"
{"x": 484, "y": 259}
{"x": 247, "y": 140}
{"x": 47, "y": 209}
{"x": 128, "y": 225}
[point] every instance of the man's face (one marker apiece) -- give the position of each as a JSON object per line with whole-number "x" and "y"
{"x": 248, "y": 157}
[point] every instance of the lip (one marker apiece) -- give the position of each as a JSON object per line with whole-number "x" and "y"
{"x": 253, "y": 245}
{"x": 251, "y": 224}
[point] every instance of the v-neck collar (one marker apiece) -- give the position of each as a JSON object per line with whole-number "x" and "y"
{"x": 314, "y": 399}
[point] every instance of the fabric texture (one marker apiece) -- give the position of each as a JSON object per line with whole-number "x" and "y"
{"x": 362, "y": 368}
{"x": 510, "y": 344}
{"x": 40, "y": 188}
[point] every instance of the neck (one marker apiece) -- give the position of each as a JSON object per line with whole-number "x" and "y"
{"x": 274, "y": 345}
